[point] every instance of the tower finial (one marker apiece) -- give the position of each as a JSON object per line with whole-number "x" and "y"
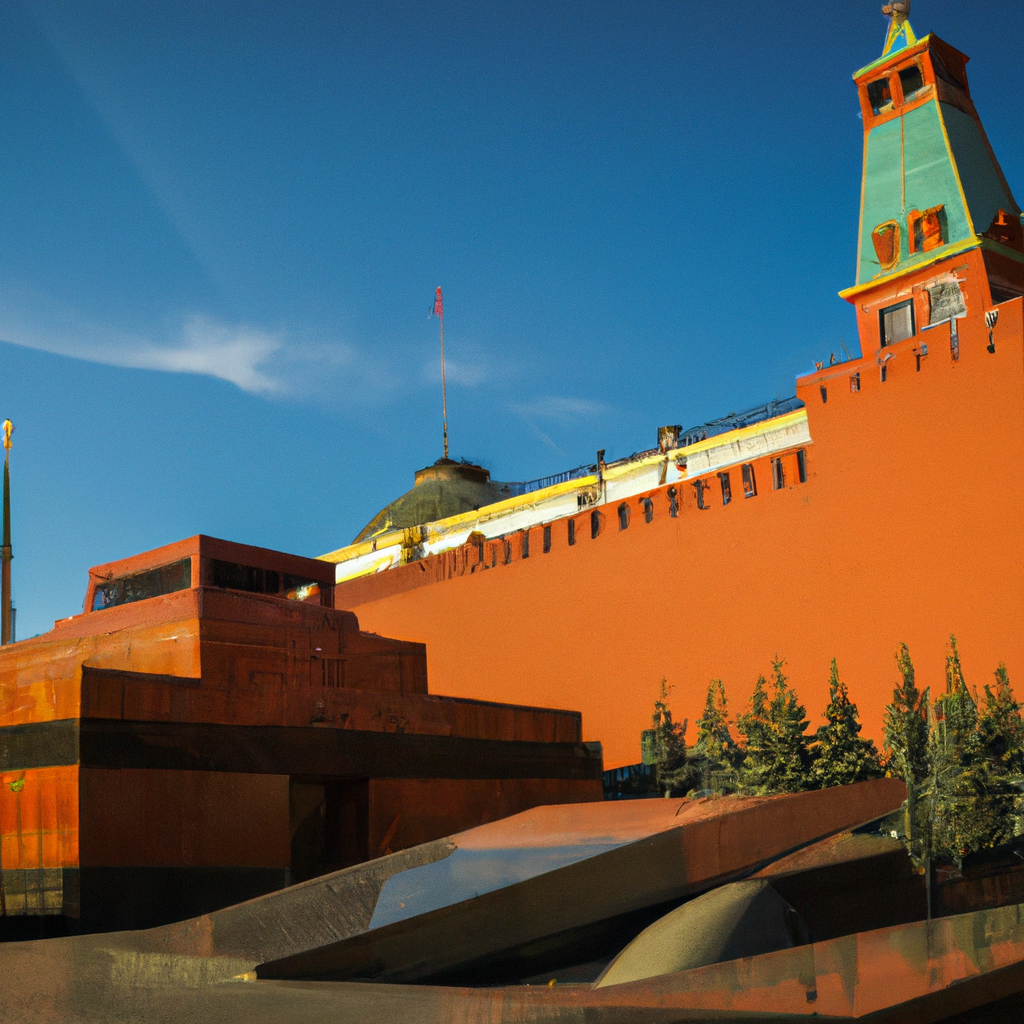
{"x": 900, "y": 33}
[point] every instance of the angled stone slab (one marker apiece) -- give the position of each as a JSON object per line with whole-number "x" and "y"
{"x": 555, "y": 870}
{"x": 919, "y": 973}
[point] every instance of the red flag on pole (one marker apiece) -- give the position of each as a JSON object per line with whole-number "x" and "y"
{"x": 438, "y": 309}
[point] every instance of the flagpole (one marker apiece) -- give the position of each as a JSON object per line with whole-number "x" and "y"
{"x": 444, "y": 382}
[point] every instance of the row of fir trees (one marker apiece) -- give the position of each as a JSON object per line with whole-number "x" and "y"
{"x": 961, "y": 755}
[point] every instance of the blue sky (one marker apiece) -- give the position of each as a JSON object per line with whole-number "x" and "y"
{"x": 222, "y": 225}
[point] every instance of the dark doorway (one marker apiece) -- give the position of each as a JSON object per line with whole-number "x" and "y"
{"x": 329, "y": 825}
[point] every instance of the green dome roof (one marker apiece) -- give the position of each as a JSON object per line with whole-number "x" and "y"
{"x": 447, "y": 488}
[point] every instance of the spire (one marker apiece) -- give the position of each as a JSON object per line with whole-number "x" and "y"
{"x": 5, "y": 551}
{"x": 900, "y": 34}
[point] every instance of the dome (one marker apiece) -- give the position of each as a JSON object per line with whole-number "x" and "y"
{"x": 447, "y": 488}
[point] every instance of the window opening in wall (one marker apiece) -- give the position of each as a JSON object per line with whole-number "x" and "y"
{"x": 648, "y": 504}
{"x": 926, "y": 230}
{"x": 749, "y": 483}
{"x": 883, "y": 372}
{"x": 912, "y": 82}
{"x": 673, "y": 502}
{"x": 508, "y": 551}
{"x": 494, "y": 556}
{"x": 623, "y": 516}
{"x": 571, "y": 531}
{"x": 233, "y": 576}
{"x": 886, "y": 240}
{"x": 880, "y": 96}
{"x": 547, "y": 539}
{"x": 824, "y": 394}
{"x": 526, "y": 544}
{"x": 167, "y": 579}
{"x": 595, "y": 523}
{"x": 700, "y": 487}
{"x": 778, "y": 475}
{"x": 297, "y": 589}
{"x": 896, "y": 323}
{"x": 855, "y": 382}
{"x": 726, "y": 485}
{"x": 801, "y": 465}
{"x": 954, "y": 340}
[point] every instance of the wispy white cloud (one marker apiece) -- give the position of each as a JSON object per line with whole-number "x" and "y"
{"x": 273, "y": 364}
{"x": 235, "y": 353}
{"x": 468, "y": 373}
{"x": 560, "y": 409}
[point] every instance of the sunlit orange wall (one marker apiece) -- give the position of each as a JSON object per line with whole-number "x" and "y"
{"x": 909, "y": 527}
{"x": 39, "y": 818}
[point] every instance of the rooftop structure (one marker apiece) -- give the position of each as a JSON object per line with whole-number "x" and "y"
{"x": 880, "y": 506}
{"x": 211, "y": 728}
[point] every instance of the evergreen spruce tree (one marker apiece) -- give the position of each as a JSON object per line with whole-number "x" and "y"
{"x": 905, "y": 725}
{"x": 754, "y": 728}
{"x": 978, "y": 757}
{"x": 1001, "y": 728}
{"x": 673, "y": 771}
{"x": 714, "y": 754}
{"x": 842, "y": 756}
{"x": 776, "y": 759}
{"x": 960, "y": 773}
{"x": 1001, "y": 743}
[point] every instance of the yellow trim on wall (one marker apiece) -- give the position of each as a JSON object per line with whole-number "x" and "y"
{"x": 465, "y": 520}
{"x": 956, "y": 170}
{"x": 906, "y": 269}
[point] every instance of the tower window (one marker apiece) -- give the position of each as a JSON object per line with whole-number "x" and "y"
{"x": 571, "y": 530}
{"x": 623, "y": 516}
{"x": 880, "y": 95}
{"x": 927, "y": 229}
{"x": 723, "y": 479}
{"x": 886, "y": 240}
{"x": 648, "y": 504}
{"x": 595, "y": 523}
{"x": 526, "y": 544}
{"x": 700, "y": 487}
{"x": 824, "y": 394}
{"x": 912, "y": 82}
{"x": 749, "y": 483}
{"x": 547, "y": 539}
{"x": 508, "y": 551}
{"x": 778, "y": 474}
{"x": 883, "y": 372}
{"x": 855, "y": 382}
{"x": 673, "y": 502}
{"x": 896, "y": 323}
{"x": 801, "y": 465}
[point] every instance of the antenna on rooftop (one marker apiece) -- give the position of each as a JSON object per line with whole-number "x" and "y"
{"x": 5, "y": 552}
{"x": 438, "y": 311}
